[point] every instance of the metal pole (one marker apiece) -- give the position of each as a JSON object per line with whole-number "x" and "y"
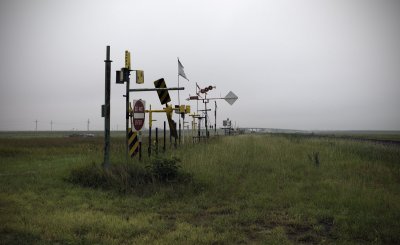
{"x": 170, "y": 138}
{"x": 140, "y": 150}
{"x": 197, "y": 101}
{"x": 127, "y": 121}
{"x": 149, "y": 149}
{"x": 106, "y": 162}
{"x": 179, "y": 102}
{"x": 175, "y": 145}
{"x": 205, "y": 107}
{"x": 197, "y": 108}
{"x": 183, "y": 131}
{"x": 155, "y": 89}
{"x": 156, "y": 141}
{"x": 164, "y": 136}
{"x": 215, "y": 116}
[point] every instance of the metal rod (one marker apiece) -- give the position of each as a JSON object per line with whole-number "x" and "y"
{"x": 183, "y": 129}
{"x": 215, "y": 116}
{"x": 179, "y": 103}
{"x": 199, "y": 131}
{"x": 154, "y": 89}
{"x": 140, "y": 150}
{"x": 205, "y": 107}
{"x": 149, "y": 149}
{"x": 164, "y": 136}
{"x": 106, "y": 162}
{"x": 216, "y": 98}
{"x": 175, "y": 143}
{"x": 179, "y": 135}
{"x": 156, "y": 141}
{"x": 127, "y": 121}
{"x": 197, "y": 108}
{"x": 151, "y": 111}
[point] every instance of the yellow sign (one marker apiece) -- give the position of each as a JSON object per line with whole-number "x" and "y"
{"x": 139, "y": 77}
{"x": 182, "y": 109}
{"x": 172, "y": 125}
{"x": 168, "y": 109}
{"x": 127, "y": 60}
{"x": 187, "y": 111}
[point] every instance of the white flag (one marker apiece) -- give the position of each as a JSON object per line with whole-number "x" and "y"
{"x": 181, "y": 72}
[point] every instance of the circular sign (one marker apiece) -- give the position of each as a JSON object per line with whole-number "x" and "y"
{"x": 138, "y": 115}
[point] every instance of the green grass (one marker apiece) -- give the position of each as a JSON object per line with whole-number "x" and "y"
{"x": 257, "y": 189}
{"x": 373, "y": 135}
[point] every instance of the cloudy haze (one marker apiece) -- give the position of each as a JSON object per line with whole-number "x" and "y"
{"x": 298, "y": 64}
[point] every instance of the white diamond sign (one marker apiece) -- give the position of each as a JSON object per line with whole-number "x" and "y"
{"x": 231, "y": 98}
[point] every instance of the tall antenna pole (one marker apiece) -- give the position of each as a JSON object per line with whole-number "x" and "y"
{"x": 106, "y": 162}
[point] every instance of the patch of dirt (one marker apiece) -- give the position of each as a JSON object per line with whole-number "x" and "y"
{"x": 327, "y": 223}
{"x": 303, "y": 233}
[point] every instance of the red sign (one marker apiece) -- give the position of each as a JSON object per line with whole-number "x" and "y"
{"x": 138, "y": 114}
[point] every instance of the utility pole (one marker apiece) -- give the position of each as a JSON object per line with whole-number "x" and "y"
{"x": 36, "y": 125}
{"x": 51, "y": 125}
{"x": 88, "y": 123}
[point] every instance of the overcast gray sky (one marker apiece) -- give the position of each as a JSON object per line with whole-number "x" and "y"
{"x": 298, "y": 64}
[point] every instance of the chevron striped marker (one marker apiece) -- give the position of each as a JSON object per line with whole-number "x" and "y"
{"x": 162, "y": 94}
{"x": 133, "y": 142}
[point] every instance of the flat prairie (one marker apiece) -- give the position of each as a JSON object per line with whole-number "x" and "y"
{"x": 245, "y": 189}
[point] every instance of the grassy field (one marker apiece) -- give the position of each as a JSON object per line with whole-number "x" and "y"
{"x": 372, "y": 135}
{"x": 247, "y": 189}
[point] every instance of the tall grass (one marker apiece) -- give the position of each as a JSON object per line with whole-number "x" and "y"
{"x": 250, "y": 189}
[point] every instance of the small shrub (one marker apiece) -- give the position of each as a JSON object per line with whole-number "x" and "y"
{"x": 89, "y": 176}
{"x": 164, "y": 169}
{"x": 128, "y": 178}
{"x": 314, "y": 158}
